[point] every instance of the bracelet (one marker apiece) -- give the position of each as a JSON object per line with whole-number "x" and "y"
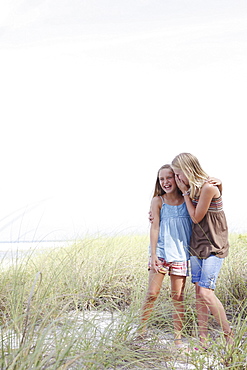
{"x": 186, "y": 193}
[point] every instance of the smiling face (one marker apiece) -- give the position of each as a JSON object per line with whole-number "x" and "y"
{"x": 167, "y": 180}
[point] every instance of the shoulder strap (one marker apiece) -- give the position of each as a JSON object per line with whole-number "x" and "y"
{"x": 162, "y": 199}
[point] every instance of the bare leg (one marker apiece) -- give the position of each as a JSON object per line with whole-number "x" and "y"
{"x": 177, "y": 294}
{"x": 155, "y": 283}
{"x": 202, "y": 315}
{"x": 217, "y": 309}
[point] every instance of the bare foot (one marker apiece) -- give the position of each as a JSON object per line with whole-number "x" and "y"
{"x": 178, "y": 342}
{"x": 229, "y": 338}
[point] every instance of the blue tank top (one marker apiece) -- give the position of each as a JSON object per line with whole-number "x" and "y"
{"x": 174, "y": 234}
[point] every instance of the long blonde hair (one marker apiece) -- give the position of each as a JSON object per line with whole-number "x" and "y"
{"x": 192, "y": 169}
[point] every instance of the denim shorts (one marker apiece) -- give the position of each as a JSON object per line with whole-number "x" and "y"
{"x": 205, "y": 271}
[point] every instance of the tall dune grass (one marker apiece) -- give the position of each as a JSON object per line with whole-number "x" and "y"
{"x": 78, "y": 307}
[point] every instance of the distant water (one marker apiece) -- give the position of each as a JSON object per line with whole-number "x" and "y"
{"x": 16, "y": 250}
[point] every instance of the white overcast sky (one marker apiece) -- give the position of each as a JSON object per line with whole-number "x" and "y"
{"x": 97, "y": 95}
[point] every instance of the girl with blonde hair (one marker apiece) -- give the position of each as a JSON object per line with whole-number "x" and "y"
{"x": 209, "y": 241}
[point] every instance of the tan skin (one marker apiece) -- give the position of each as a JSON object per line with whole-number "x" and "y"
{"x": 207, "y": 193}
{"x": 205, "y": 298}
{"x": 171, "y": 197}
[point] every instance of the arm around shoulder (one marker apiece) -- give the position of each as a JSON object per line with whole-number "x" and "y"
{"x": 217, "y": 182}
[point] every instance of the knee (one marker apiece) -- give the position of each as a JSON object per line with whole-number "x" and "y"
{"x": 177, "y": 295}
{"x": 151, "y": 296}
{"x": 205, "y": 294}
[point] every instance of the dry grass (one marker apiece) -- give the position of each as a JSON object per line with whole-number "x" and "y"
{"x": 54, "y": 310}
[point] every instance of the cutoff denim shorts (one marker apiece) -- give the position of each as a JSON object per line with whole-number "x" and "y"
{"x": 205, "y": 271}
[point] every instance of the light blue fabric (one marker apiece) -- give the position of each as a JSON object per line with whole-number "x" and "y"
{"x": 205, "y": 271}
{"x": 175, "y": 233}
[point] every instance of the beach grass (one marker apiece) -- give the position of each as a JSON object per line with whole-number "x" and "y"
{"x": 78, "y": 307}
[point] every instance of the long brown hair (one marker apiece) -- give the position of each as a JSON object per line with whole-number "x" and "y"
{"x": 158, "y": 189}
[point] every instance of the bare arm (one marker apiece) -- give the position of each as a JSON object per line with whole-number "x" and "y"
{"x": 208, "y": 192}
{"x": 154, "y": 230}
{"x": 197, "y": 213}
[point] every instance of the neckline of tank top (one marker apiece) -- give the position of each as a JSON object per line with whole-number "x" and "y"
{"x": 171, "y": 205}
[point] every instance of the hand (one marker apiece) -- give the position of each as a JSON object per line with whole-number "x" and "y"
{"x": 150, "y": 217}
{"x": 155, "y": 263}
{"x": 181, "y": 185}
{"x": 214, "y": 181}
